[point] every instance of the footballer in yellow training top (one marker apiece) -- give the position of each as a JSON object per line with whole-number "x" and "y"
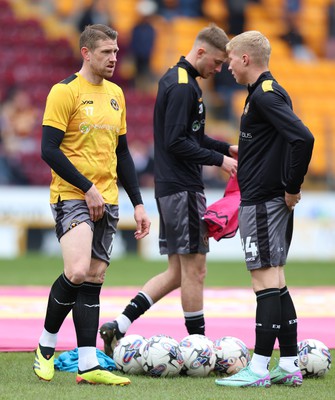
{"x": 93, "y": 117}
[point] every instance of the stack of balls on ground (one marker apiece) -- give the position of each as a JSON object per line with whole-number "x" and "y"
{"x": 198, "y": 356}
{"x": 195, "y": 355}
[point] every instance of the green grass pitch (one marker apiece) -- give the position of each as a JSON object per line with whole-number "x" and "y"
{"x": 18, "y": 382}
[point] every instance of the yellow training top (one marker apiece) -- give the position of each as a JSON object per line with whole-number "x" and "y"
{"x": 92, "y": 117}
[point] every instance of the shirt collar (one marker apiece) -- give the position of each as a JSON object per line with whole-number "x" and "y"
{"x": 188, "y": 66}
{"x": 262, "y": 77}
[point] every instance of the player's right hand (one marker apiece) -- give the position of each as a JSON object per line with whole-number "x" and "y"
{"x": 95, "y": 203}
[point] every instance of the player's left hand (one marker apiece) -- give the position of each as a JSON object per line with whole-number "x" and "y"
{"x": 142, "y": 222}
{"x": 292, "y": 200}
{"x": 233, "y": 151}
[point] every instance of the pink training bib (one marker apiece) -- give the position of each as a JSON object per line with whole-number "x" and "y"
{"x": 222, "y": 216}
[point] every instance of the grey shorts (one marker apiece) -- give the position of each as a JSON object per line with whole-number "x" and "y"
{"x": 266, "y": 232}
{"x": 70, "y": 213}
{"x": 181, "y": 227}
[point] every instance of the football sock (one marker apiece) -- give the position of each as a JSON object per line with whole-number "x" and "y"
{"x": 48, "y": 340}
{"x": 87, "y": 358}
{"x": 86, "y": 314}
{"x": 138, "y": 306}
{"x": 287, "y": 336}
{"x": 289, "y": 364}
{"x": 149, "y": 299}
{"x": 260, "y": 364}
{"x": 195, "y": 322}
{"x": 123, "y": 323}
{"x": 268, "y": 317}
{"x": 62, "y": 298}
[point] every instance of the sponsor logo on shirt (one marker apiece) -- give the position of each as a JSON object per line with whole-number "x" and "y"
{"x": 86, "y": 127}
{"x": 245, "y": 135}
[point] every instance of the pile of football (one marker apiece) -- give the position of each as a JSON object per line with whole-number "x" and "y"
{"x": 195, "y": 355}
{"x": 198, "y": 356}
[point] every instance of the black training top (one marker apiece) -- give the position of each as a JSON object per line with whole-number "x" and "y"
{"x": 275, "y": 147}
{"x": 181, "y": 146}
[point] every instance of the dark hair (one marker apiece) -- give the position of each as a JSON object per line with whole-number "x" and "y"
{"x": 92, "y": 33}
{"x": 214, "y": 36}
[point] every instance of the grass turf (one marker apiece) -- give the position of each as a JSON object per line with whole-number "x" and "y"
{"x": 17, "y": 380}
{"x": 37, "y": 269}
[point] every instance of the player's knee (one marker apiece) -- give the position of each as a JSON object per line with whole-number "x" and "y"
{"x": 76, "y": 276}
{"x": 203, "y": 273}
{"x": 199, "y": 274}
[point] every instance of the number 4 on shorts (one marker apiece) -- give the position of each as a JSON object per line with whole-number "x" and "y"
{"x": 249, "y": 247}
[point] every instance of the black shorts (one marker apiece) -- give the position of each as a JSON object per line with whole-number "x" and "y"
{"x": 266, "y": 233}
{"x": 70, "y": 213}
{"x": 181, "y": 227}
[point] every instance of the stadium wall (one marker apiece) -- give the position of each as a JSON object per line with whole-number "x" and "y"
{"x": 23, "y": 209}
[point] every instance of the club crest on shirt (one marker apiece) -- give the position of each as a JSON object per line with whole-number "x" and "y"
{"x": 246, "y": 109}
{"x": 115, "y": 105}
{"x": 196, "y": 126}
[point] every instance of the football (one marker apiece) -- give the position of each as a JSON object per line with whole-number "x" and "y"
{"x": 199, "y": 355}
{"x": 128, "y": 353}
{"x": 162, "y": 357}
{"x": 231, "y": 355}
{"x": 314, "y": 358}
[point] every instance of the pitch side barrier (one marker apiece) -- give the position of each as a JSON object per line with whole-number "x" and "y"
{"x": 23, "y": 208}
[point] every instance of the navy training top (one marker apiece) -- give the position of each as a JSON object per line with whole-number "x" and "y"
{"x": 275, "y": 147}
{"x": 180, "y": 144}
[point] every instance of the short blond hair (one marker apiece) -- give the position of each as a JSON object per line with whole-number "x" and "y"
{"x": 253, "y": 43}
